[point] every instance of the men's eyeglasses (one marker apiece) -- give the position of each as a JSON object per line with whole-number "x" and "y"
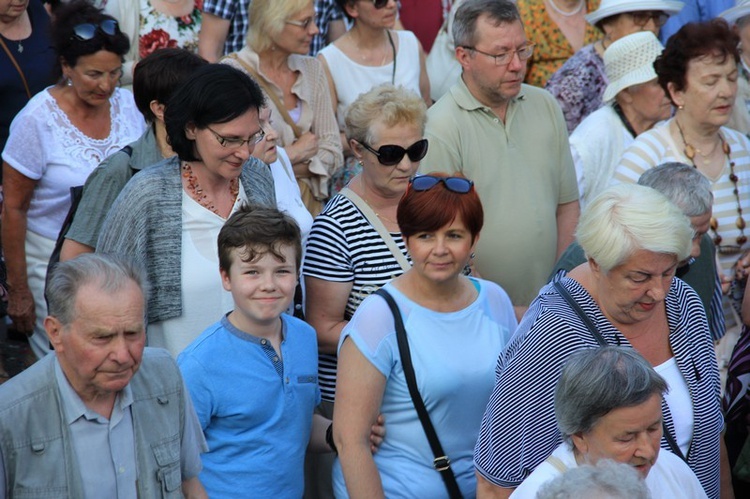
{"x": 379, "y": 4}
{"x": 390, "y": 155}
{"x": 641, "y": 18}
{"x": 87, "y": 31}
{"x": 504, "y": 58}
{"x": 459, "y": 185}
{"x": 232, "y": 142}
{"x": 302, "y": 24}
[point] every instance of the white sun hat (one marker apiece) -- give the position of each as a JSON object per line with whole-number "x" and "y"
{"x": 630, "y": 61}
{"x": 608, "y": 8}
{"x": 740, "y": 9}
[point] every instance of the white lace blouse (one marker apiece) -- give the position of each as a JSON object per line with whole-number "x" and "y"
{"x": 46, "y": 147}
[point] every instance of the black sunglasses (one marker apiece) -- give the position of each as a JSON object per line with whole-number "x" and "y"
{"x": 459, "y": 185}
{"x": 87, "y": 31}
{"x": 379, "y": 4}
{"x": 390, "y": 155}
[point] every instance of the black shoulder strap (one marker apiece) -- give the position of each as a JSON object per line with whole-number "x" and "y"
{"x": 441, "y": 461}
{"x": 602, "y": 342}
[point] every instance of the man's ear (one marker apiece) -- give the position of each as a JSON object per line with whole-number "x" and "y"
{"x": 53, "y": 327}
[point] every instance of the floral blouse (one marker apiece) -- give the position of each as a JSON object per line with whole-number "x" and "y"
{"x": 162, "y": 31}
{"x": 552, "y": 48}
{"x": 579, "y": 85}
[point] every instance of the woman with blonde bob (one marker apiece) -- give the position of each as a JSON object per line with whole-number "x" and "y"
{"x": 626, "y": 295}
{"x": 296, "y": 87}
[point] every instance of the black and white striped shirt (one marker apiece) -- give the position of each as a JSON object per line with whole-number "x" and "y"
{"x": 344, "y": 247}
{"x": 518, "y": 429}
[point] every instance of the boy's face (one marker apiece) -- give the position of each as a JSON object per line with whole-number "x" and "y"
{"x": 261, "y": 289}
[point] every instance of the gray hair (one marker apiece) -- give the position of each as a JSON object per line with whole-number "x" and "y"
{"x": 110, "y": 272}
{"x": 597, "y": 381}
{"x": 465, "y": 22}
{"x": 607, "y": 479}
{"x": 684, "y": 185}
{"x": 626, "y": 218}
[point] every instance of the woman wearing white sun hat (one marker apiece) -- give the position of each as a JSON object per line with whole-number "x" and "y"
{"x": 739, "y": 18}
{"x": 579, "y": 84}
{"x": 634, "y": 102}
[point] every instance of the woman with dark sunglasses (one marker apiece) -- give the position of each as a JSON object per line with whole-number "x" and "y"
{"x": 456, "y": 326}
{"x": 355, "y": 244}
{"x": 56, "y": 140}
{"x": 371, "y": 53}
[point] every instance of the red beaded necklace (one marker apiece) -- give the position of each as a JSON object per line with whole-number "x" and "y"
{"x": 196, "y": 191}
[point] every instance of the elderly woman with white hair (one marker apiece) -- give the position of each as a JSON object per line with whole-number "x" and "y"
{"x": 634, "y": 103}
{"x": 608, "y": 406}
{"x": 625, "y": 294}
{"x": 606, "y": 479}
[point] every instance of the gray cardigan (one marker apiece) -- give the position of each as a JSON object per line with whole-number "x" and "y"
{"x": 145, "y": 223}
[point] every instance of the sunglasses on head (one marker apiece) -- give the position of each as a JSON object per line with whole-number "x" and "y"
{"x": 459, "y": 185}
{"x": 379, "y": 4}
{"x": 87, "y": 31}
{"x": 390, "y": 155}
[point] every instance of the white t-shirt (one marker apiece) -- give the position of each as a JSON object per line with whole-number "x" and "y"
{"x": 45, "y": 146}
{"x": 288, "y": 197}
{"x": 669, "y": 478}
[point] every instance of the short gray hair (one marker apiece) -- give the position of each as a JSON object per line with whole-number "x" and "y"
{"x": 626, "y": 218}
{"x": 606, "y": 479}
{"x": 596, "y": 381}
{"x": 465, "y": 22}
{"x": 385, "y": 103}
{"x": 684, "y": 185}
{"x": 109, "y": 272}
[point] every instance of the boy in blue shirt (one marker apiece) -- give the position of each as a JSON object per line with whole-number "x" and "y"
{"x": 253, "y": 375}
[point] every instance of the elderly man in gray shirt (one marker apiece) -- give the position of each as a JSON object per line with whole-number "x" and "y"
{"x": 101, "y": 416}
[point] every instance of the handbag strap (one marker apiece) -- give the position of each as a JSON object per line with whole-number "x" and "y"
{"x": 441, "y": 462}
{"x": 18, "y": 68}
{"x": 557, "y": 463}
{"x": 602, "y": 342}
{"x": 270, "y": 93}
{"x": 378, "y": 225}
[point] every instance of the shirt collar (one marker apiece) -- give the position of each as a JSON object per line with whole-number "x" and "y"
{"x": 466, "y": 100}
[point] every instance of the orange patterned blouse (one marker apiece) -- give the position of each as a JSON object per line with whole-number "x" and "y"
{"x": 552, "y": 48}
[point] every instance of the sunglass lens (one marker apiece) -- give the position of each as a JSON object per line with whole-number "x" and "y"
{"x": 85, "y": 31}
{"x": 424, "y": 182}
{"x": 390, "y": 155}
{"x": 109, "y": 27}
{"x": 379, "y": 4}
{"x": 417, "y": 150}
{"x": 457, "y": 184}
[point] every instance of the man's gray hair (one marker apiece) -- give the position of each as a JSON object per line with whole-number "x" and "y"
{"x": 596, "y": 381}
{"x": 110, "y": 272}
{"x": 607, "y": 479}
{"x": 684, "y": 185}
{"x": 465, "y": 22}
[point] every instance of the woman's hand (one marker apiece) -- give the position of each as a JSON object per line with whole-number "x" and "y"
{"x": 303, "y": 149}
{"x": 21, "y": 309}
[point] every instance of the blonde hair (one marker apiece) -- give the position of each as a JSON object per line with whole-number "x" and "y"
{"x": 388, "y": 104}
{"x": 626, "y": 218}
{"x": 267, "y": 20}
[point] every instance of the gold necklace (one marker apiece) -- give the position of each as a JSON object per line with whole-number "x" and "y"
{"x": 196, "y": 191}
{"x": 690, "y": 151}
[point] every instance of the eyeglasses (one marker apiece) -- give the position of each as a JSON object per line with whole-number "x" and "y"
{"x": 302, "y": 24}
{"x": 459, "y": 185}
{"x": 379, "y": 4}
{"x": 390, "y": 155}
{"x": 641, "y": 18}
{"x": 504, "y": 58}
{"x": 87, "y": 31}
{"x": 233, "y": 142}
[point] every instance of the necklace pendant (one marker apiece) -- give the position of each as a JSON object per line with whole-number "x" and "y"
{"x": 690, "y": 152}
{"x": 20, "y": 47}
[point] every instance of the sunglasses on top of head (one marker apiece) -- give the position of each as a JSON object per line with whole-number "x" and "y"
{"x": 87, "y": 31}
{"x": 459, "y": 185}
{"x": 390, "y": 155}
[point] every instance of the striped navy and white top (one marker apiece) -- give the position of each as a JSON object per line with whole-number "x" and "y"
{"x": 518, "y": 429}
{"x": 344, "y": 247}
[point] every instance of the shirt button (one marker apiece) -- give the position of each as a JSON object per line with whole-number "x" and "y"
{"x": 275, "y": 359}
{"x": 121, "y": 470}
{"x": 287, "y": 380}
{"x": 262, "y": 342}
{"x": 496, "y": 120}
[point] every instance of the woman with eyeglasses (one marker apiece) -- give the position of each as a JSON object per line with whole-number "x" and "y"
{"x": 169, "y": 215}
{"x": 580, "y": 83}
{"x": 56, "y": 140}
{"x": 456, "y": 326}
{"x": 355, "y": 244}
{"x": 369, "y": 54}
{"x": 276, "y": 57}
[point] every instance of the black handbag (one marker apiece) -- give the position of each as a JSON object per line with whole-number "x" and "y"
{"x": 441, "y": 462}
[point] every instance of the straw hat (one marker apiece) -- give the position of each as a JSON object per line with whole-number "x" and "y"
{"x": 740, "y": 9}
{"x": 609, "y": 8}
{"x": 630, "y": 61}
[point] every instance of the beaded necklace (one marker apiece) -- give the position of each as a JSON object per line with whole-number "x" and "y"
{"x": 564, "y": 13}
{"x": 196, "y": 191}
{"x": 690, "y": 152}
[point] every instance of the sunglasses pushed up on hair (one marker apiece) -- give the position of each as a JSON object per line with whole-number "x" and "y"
{"x": 459, "y": 185}
{"x": 87, "y": 31}
{"x": 389, "y": 155}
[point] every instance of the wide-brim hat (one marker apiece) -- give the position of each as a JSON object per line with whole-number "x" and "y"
{"x": 610, "y": 8}
{"x": 740, "y": 9}
{"x": 630, "y": 61}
